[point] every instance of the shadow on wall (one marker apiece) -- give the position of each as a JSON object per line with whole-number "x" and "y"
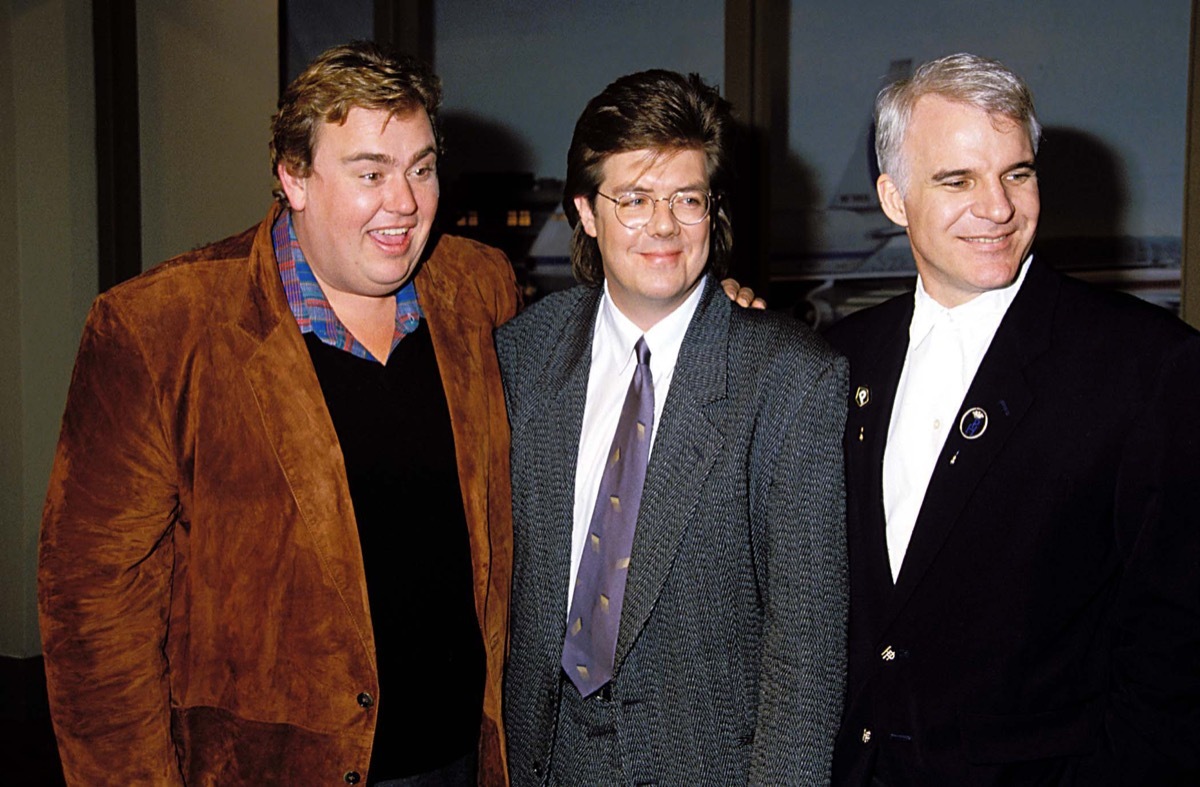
{"x": 1083, "y": 184}
{"x": 473, "y": 143}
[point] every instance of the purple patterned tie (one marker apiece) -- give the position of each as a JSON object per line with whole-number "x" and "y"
{"x": 591, "y": 642}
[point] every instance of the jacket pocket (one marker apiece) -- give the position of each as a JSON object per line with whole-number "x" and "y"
{"x": 1065, "y": 732}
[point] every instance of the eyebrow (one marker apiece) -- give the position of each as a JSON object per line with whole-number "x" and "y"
{"x": 950, "y": 174}
{"x": 383, "y": 158}
{"x": 628, "y": 188}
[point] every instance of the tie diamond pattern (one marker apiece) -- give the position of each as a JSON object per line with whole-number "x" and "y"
{"x": 590, "y": 644}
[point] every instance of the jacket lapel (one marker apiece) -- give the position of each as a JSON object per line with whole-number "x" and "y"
{"x": 686, "y": 445}
{"x": 558, "y": 395}
{"x": 874, "y": 377}
{"x": 452, "y": 316}
{"x": 1001, "y": 391}
{"x": 284, "y": 384}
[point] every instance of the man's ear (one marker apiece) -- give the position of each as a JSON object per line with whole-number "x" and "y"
{"x": 586, "y": 217}
{"x": 891, "y": 200}
{"x": 295, "y": 188}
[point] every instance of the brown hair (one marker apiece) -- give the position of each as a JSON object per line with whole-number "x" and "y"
{"x": 358, "y": 74}
{"x": 654, "y": 110}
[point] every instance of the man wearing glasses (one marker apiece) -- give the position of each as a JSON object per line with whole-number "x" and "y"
{"x": 678, "y": 603}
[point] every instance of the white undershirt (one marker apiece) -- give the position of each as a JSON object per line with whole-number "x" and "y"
{"x": 613, "y": 363}
{"x": 945, "y": 348}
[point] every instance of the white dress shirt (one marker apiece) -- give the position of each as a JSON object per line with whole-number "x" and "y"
{"x": 613, "y": 363}
{"x": 945, "y": 348}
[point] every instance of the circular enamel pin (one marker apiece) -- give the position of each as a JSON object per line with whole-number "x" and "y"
{"x": 973, "y": 423}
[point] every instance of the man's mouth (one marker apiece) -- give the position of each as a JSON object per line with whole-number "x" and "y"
{"x": 393, "y": 240}
{"x": 986, "y": 239}
{"x": 661, "y": 254}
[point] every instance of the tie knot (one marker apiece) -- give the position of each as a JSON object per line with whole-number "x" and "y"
{"x": 643, "y": 352}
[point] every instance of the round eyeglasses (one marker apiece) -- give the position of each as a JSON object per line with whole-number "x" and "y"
{"x": 635, "y": 209}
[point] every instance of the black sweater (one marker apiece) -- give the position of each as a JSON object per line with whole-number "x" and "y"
{"x": 394, "y": 429}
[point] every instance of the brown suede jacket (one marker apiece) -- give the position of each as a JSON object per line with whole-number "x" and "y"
{"x": 202, "y": 599}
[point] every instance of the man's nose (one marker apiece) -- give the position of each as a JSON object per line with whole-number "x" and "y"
{"x": 994, "y": 203}
{"x": 399, "y": 197}
{"x": 663, "y": 221}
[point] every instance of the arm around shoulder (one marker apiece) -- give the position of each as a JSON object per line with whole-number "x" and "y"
{"x": 105, "y": 566}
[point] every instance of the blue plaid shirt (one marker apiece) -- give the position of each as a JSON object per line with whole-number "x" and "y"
{"x": 311, "y": 308}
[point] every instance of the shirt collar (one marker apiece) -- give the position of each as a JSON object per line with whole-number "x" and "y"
{"x": 616, "y": 334}
{"x": 985, "y": 309}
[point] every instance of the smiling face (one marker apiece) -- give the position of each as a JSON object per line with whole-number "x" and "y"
{"x": 651, "y": 270}
{"x": 364, "y": 212}
{"x": 971, "y": 205}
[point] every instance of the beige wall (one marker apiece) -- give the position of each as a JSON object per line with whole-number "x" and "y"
{"x": 208, "y": 74}
{"x": 47, "y": 263}
{"x": 13, "y": 561}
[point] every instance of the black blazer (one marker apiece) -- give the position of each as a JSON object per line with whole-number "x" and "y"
{"x": 1045, "y": 625}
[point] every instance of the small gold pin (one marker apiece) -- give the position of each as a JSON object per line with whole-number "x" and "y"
{"x": 862, "y": 396}
{"x": 860, "y": 434}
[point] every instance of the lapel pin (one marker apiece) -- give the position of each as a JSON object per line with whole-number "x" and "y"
{"x": 973, "y": 423}
{"x": 862, "y": 396}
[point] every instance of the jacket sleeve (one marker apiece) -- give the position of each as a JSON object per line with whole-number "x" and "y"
{"x": 105, "y": 566}
{"x": 1151, "y": 721}
{"x": 803, "y": 574}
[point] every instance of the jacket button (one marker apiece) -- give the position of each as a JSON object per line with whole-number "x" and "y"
{"x": 866, "y": 736}
{"x": 352, "y": 777}
{"x": 366, "y": 700}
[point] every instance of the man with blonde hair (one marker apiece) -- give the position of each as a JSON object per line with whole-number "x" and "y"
{"x": 277, "y": 542}
{"x": 1021, "y": 454}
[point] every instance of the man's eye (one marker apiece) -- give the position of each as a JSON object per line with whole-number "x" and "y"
{"x": 370, "y": 177}
{"x": 1020, "y": 177}
{"x": 635, "y": 200}
{"x": 690, "y": 200}
{"x": 424, "y": 171}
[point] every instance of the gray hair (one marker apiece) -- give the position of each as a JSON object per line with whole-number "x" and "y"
{"x": 963, "y": 78}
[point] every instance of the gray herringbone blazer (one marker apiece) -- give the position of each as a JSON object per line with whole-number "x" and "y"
{"x": 730, "y": 659}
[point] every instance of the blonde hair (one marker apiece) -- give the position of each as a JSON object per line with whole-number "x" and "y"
{"x": 358, "y": 74}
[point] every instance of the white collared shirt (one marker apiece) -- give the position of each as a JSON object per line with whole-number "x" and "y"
{"x": 945, "y": 348}
{"x": 613, "y": 363}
